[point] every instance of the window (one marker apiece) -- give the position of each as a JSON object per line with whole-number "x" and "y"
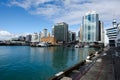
{"x": 89, "y": 28}
{"x": 89, "y": 36}
{"x": 89, "y": 17}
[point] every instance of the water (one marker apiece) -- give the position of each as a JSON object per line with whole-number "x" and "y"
{"x": 35, "y": 63}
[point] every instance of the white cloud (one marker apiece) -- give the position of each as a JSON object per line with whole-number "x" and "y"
{"x": 26, "y": 4}
{"x": 48, "y": 10}
{"x": 5, "y": 35}
{"x": 70, "y": 11}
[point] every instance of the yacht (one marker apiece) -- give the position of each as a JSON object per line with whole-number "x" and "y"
{"x": 86, "y": 46}
{"x": 42, "y": 44}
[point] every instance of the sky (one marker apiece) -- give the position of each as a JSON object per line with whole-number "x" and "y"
{"x": 19, "y": 17}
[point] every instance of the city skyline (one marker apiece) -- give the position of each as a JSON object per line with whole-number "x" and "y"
{"x": 29, "y": 16}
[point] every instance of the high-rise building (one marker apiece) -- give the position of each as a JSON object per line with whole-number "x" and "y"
{"x": 45, "y": 32}
{"x": 40, "y": 35}
{"x": 53, "y": 31}
{"x": 61, "y": 32}
{"x": 101, "y": 32}
{"x": 21, "y": 38}
{"x": 35, "y": 37}
{"x": 81, "y": 33}
{"x": 90, "y": 27}
{"x": 72, "y": 36}
{"x": 28, "y": 38}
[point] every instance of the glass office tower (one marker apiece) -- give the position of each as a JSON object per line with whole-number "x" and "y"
{"x": 61, "y": 32}
{"x": 90, "y": 27}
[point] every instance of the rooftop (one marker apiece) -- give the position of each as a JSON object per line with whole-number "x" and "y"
{"x": 91, "y": 12}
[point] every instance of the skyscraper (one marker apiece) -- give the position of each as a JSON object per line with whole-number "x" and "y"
{"x": 81, "y": 37}
{"x": 28, "y": 38}
{"x": 45, "y": 33}
{"x": 101, "y": 32}
{"x": 72, "y": 36}
{"x": 35, "y": 37}
{"x": 90, "y": 27}
{"x": 61, "y": 32}
{"x": 53, "y": 31}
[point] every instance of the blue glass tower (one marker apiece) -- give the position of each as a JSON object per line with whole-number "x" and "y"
{"x": 90, "y": 27}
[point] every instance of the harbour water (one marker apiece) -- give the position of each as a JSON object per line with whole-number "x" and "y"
{"x": 37, "y": 63}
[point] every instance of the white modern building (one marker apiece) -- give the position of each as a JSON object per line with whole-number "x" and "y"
{"x": 35, "y": 37}
{"x": 91, "y": 28}
{"x": 112, "y": 34}
{"x": 44, "y": 33}
{"x": 118, "y": 36}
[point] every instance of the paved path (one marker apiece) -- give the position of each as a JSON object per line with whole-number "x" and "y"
{"x": 116, "y": 62}
{"x": 102, "y": 69}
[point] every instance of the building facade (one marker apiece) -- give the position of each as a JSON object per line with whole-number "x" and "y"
{"x": 60, "y": 32}
{"x": 112, "y": 34}
{"x": 90, "y": 27}
{"x": 118, "y": 36}
{"x": 53, "y": 31}
{"x": 35, "y": 37}
{"x": 51, "y": 40}
{"x": 44, "y": 33}
{"x": 28, "y": 38}
{"x": 81, "y": 34}
{"x": 101, "y": 32}
{"x": 72, "y": 36}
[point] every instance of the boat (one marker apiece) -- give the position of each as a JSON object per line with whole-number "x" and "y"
{"x": 86, "y": 46}
{"x": 42, "y": 44}
{"x": 77, "y": 46}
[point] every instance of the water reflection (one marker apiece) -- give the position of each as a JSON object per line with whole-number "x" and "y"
{"x": 60, "y": 58}
{"x": 41, "y": 55}
{"x": 72, "y": 54}
{"x": 85, "y": 53}
{"x": 37, "y": 63}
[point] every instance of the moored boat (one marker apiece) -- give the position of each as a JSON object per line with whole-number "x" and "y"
{"x": 42, "y": 44}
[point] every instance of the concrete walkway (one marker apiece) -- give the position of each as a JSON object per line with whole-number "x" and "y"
{"x": 103, "y": 69}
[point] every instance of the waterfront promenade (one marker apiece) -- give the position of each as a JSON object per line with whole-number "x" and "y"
{"x": 103, "y": 67}
{"x": 106, "y": 66}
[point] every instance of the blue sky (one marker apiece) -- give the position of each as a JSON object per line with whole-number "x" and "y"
{"x": 28, "y": 16}
{"x": 17, "y": 20}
